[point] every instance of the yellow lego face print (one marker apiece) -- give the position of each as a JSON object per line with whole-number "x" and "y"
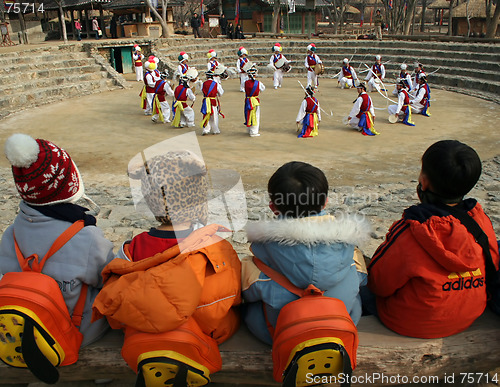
{"x": 316, "y": 364}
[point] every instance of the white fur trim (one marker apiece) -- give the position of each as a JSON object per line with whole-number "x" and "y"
{"x": 21, "y": 150}
{"x": 345, "y": 228}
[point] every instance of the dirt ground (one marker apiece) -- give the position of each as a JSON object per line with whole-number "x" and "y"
{"x": 102, "y": 132}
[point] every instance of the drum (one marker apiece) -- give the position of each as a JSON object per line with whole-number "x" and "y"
{"x": 247, "y": 66}
{"x": 393, "y": 118}
{"x": 319, "y": 68}
{"x": 219, "y": 70}
{"x": 279, "y": 63}
{"x": 192, "y": 74}
{"x": 286, "y": 67}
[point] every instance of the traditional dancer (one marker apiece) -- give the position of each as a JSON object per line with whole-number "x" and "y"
{"x": 311, "y": 61}
{"x": 210, "y": 107}
{"x": 138, "y": 57}
{"x": 277, "y": 61}
{"x": 347, "y": 77}
{"x": 161, "y": 107}
{"x": 183, "y": 64}
{"x": 362, "y": 114}
{"x": 213, "y": 63}
{"x": 150, "y": 78}
{"x": 376, "y": 74}
{"x": 406, "y": 78}
{"x": 421, "y": 102}
{"x": 183, "y": 113}
{"x": 309, "y": 115}
{"x": 402, "y": 109}
{"x": 252, "y": 103}
{"x": 419, "y": 69}
{"x": 240, "y": 64}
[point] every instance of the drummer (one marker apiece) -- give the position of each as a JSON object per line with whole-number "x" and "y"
{"x": 183, "y": 113}
{"x": 242, "y": 63}
{"x": 277, "y": 61}
{"x": 419, "y": 69}
{"x": 183, "y": 64}
{"x": 213, "y": 64}
{"x": 309, "y": 115}
{"x": 253, "y": 88}
{"x": 402, "y": 110}
{"x": 376, "y": 75}
{"x": 347, "y": 76}
{"x": 406, "y": 78}
{"x": 421, "y": 102}
{"x": 312, "y": 60}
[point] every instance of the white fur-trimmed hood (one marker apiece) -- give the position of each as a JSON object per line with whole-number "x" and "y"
{"x": 345, "y": 228}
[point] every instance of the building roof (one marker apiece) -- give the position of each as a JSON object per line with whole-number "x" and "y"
{"x": 476, "y": 8}
{"x": 439, "y": 4}
{"x": 300, "y": 3}
{"x": 52, "y": 4}
{"x": 121, "y": 4}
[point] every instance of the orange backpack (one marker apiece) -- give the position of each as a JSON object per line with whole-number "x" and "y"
{"x": 315, "y": 340}
{"x": 36, "y": 330}
{"x": 182, "y": 357}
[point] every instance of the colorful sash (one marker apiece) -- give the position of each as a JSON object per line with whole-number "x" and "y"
{"x": 310, "y": 121}
{"x": 251, "y": 102}
{"x": 178, "y": 105}
{"x": 407, "y": 110}
{"x": 366, "y": 120}
{"x": 206, "y": 105}
{"x": 377, "y": 69}
{"x": 426, "y": 101}
{"x": 144, "y": 100}
{"x": 242, "y": 63}
{"x": 311, "y": 61}
{"x": 346, "y": 70}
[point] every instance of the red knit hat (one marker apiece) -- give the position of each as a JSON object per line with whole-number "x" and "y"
{"x": 43, "y": 172}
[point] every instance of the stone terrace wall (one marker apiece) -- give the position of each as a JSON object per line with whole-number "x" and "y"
{"x": 468, "y": 68}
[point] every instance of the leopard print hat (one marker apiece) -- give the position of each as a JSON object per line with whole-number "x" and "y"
{"x": 174, "y": 186}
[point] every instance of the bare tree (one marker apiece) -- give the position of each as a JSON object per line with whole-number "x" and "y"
{"x": 409, "y": 15}
{"x": 450, "y": 18}
{"x": 161, "y": 18}
{"x": 276, "y": 14}
{"x": 492, "y": 20}
{"x": 422, "y": 21}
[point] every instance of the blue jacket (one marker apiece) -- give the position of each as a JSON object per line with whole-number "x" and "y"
{"x": 316, "y": 250}
{"x": 80, "y": 260}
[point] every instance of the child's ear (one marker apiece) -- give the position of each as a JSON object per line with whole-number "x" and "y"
{"x": 424, "y": 181}
{"x": 274, "y": 209}
{"x": 326, "y": 202}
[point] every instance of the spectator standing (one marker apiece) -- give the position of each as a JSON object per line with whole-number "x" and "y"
{"x": 95, "y": 27}
{"x": 112, "y": 27}
{"x": 223, "y": 24}
{"x": 78, "y": 28}
{"x": 195, "y": 25}
{"x": 377, "y": 20}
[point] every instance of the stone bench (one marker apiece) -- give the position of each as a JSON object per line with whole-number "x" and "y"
{"x": 382, "y": 356}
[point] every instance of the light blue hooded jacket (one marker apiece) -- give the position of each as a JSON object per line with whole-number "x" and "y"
{"x": 81, "y": 259}
{"x": 315, "y": 250}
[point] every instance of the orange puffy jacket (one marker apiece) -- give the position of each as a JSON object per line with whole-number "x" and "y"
{"x": 201, "y": 276}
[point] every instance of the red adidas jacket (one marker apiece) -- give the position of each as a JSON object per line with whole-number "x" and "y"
{"x": 429, "y": 274}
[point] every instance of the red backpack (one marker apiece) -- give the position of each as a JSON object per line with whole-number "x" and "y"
{"x": 315, "y": 340}
{"x": 36, "y": 329}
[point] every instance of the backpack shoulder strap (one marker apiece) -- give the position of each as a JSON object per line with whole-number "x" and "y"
{"x": 278, "y": 277}
{"x": 61, "y": 240}
{"x": 478, "y": 234}
{"x": 77, "y": 316}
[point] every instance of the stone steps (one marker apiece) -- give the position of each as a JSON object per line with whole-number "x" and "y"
{"x": 467, "y": 68}
{"x": 50, "y": 82}
{"x": 38, "y": 76}
{"x": 17, "y": 101}
{"x": 16, "y": 77}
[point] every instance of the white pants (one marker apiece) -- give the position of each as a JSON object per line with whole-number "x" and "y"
{"x": 392, "y": 109}
{"x": 243, "y": 79}
{"x": 372, "y": 85}
{"x": 417, "y": 108}
{"x": 149, "y": 103}
{"x": 253, "y": 130}
{"x": 165, "y": 110}
{"x": 187, "y": 117}
{"x": 346, "y": 82}
{"x": 213, "y": 122}
{"x": 139, "y": 74}
{"x": 278, "y": 78}
{"x": 312, "y": 79}
{"x": 354, "y": 122}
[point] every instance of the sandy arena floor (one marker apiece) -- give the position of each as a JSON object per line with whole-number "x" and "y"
{"x": 102, "y": 132}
